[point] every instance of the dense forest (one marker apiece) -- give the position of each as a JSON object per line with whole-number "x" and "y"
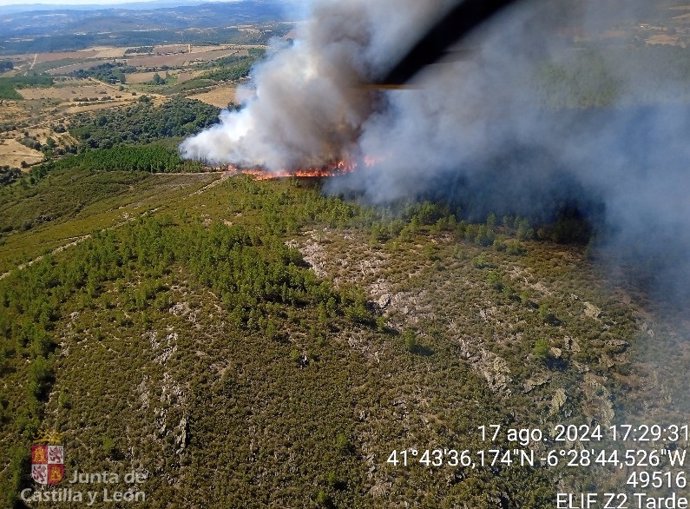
{"x": 233, "y": 68}
{"x": 143, "y": 122}
{"x": 152, "y": 158}
{"x": 604, "y": 77}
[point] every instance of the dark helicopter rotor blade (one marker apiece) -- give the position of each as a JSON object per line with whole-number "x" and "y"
{"x": 454, "y": 26}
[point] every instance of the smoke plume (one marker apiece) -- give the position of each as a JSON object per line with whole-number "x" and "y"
{"x": 550, "y": 102}
{"x": 306, "y": 105}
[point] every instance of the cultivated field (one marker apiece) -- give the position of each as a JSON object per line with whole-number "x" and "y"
{"x": 43, "y": 109}
{"x": 72, "y": 96}
{"x": 95, "y": 52}
{"x": 138, "y": 78}
{"x": 665, "y": 39}
{"x": 13, "y": 153}
{"x": 219, "y": 97}
{"x": 185, "y": 59}
{"x": 77, "y": 90}
{"x": 44, "y": 112}
{"x": 63, "y": 62}
{"x": 66, "y": 62}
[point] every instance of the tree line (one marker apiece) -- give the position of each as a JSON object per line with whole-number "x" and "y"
{"x": 108, "y": 72}
{"x": 143, "y": 122}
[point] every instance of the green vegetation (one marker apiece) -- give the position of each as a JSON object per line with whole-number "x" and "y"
{"x": 8, "y": 86}
{"x": 260, "y": 344}
{"x": 198, "y": 337}
{"x": 109, "y": 73}
{"x": 143, "y": 122}
{"x": 65, "y": 205}
{"x": 139, "y": 50}
{"x": 157, "y": 157}
{"x": 231, "y": 69}
{"x": 157, "y": 80}
{"x": 541, "y": 350}
{"x": 588, "y": 78}
{"x": 7, "y": 91}
{"x": 64, "y": 193}
{"x": 195, "y": 85}
{"x": 586, "y": 82}
{"x": 153, "y": 158}
{"x": 254, "y": 276}
{"x": 226, "y": 69}
{"x": 8, "y": 175}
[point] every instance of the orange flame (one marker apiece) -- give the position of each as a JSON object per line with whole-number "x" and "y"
{"x": 335, "y": 169}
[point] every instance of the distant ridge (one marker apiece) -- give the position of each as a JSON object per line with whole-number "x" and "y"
{"x": 135, "y": 6}
{"x": 61, "y": 28}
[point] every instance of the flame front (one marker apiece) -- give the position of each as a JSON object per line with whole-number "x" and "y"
{"x": 341, "y": 167}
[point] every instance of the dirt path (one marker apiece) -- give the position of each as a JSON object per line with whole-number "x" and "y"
{"x": 224, "y": 175}
{"x": 78, "y": 240}
{"x": 58, "y": 249}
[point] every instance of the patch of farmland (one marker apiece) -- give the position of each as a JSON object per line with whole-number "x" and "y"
{"x": 219, "y": 97}
{"x": 181, "y": 59}
{"x": 82, "y": 89}
{"x": 13, "y": 153}
{"x": 137, "y": 78}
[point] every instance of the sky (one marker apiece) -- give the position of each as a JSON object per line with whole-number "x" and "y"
{"x": 4, "y": 3}
{"x": 70, "y": 2}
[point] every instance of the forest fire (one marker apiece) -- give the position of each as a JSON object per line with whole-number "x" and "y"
{"x": 329, "y": 170}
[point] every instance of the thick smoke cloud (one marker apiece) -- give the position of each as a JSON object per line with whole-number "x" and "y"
{"x": 489, "y": 127}
{"x": 307, "y": 106}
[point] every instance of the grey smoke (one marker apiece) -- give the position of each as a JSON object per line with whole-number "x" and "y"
{"x": 480, "y": 124}
{"x": 306, "y": 105}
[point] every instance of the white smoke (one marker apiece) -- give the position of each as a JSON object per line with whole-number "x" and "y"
{"x": 478, "y": 125}
{"x": 306, "y": 105}
{"x": 481, "y": 129}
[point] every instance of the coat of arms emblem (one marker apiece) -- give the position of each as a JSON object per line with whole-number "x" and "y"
{"x": 48, "y": 459}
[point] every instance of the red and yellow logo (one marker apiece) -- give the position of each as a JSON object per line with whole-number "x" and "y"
{"x": 48, "y": 459}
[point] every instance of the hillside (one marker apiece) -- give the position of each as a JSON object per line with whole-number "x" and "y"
{"x": 253, "y": 344}
{"x": 352, "y": 337}
{"x": 68, "y": 29}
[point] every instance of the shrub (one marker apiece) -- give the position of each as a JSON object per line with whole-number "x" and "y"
{"x": 480, "y": 262}
{"x": 495, "y": 280}
{"x": 515, "y": 248}
{"x": 548, "y": 316}
{"x": 524, "y": 230}
{"x": 323, "y": 499}
{"x": 343, "y": 444}
{"x": 108, "y": 446}
{"x": 332, "y": 480}
{"x": 541, "y": 350}
{"x": 40, "y": 378}
{"x": 500, "y": 246}
{"x": 64, "y": 400}
{"x": 410, "y": 339}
